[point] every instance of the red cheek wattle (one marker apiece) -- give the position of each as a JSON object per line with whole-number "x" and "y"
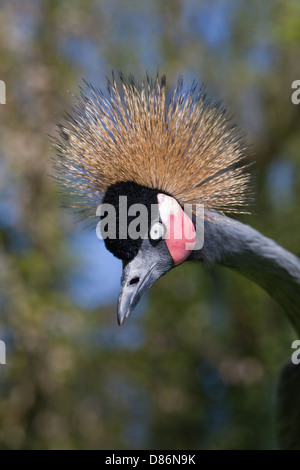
{"x": 180, "y": 231}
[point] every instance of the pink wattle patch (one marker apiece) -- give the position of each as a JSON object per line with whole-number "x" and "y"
{"x": 180, "y": 231}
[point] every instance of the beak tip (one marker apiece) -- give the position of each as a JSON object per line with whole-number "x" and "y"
{"x": 131, "y": 292}
{"x": 122, "y": 317}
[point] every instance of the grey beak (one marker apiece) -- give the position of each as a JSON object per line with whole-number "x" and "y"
{"x": 139, "y": 274}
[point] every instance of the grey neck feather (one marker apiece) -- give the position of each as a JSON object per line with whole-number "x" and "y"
{"x": 233, "y": 244}
{"x": 238, "y": 246}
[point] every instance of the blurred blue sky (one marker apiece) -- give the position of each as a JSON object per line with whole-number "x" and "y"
{"x": 96, "y": 280}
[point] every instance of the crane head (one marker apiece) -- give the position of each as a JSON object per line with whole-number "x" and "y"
{"x": 151, "y": 243}
{"x": 157, "y": 150}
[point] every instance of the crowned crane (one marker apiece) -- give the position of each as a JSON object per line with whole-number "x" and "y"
{"x": 168, "y": 154}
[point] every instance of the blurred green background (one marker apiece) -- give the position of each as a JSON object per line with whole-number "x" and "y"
{"x": 196, "y": 365}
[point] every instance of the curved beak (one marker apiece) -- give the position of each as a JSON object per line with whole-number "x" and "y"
{"x": 139, "y": 274}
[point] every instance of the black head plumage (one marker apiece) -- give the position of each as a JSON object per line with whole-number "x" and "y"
{"x": 126, "y": 249}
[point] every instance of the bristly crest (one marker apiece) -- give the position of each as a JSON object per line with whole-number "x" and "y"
{"x": 187, "y": 147}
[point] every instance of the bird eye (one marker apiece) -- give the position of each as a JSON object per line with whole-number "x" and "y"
{"x": 157, "y": 231}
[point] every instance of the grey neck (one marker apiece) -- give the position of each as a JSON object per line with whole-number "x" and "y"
{"x": 238, "y": 246}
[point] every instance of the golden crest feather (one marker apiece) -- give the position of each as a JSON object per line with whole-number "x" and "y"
{"x": 187, "y": 147}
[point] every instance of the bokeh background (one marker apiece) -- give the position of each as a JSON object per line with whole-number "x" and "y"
{"x": 196, "y": 365}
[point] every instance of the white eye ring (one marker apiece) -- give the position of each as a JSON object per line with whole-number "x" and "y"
{"x": 157, "y": 231}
